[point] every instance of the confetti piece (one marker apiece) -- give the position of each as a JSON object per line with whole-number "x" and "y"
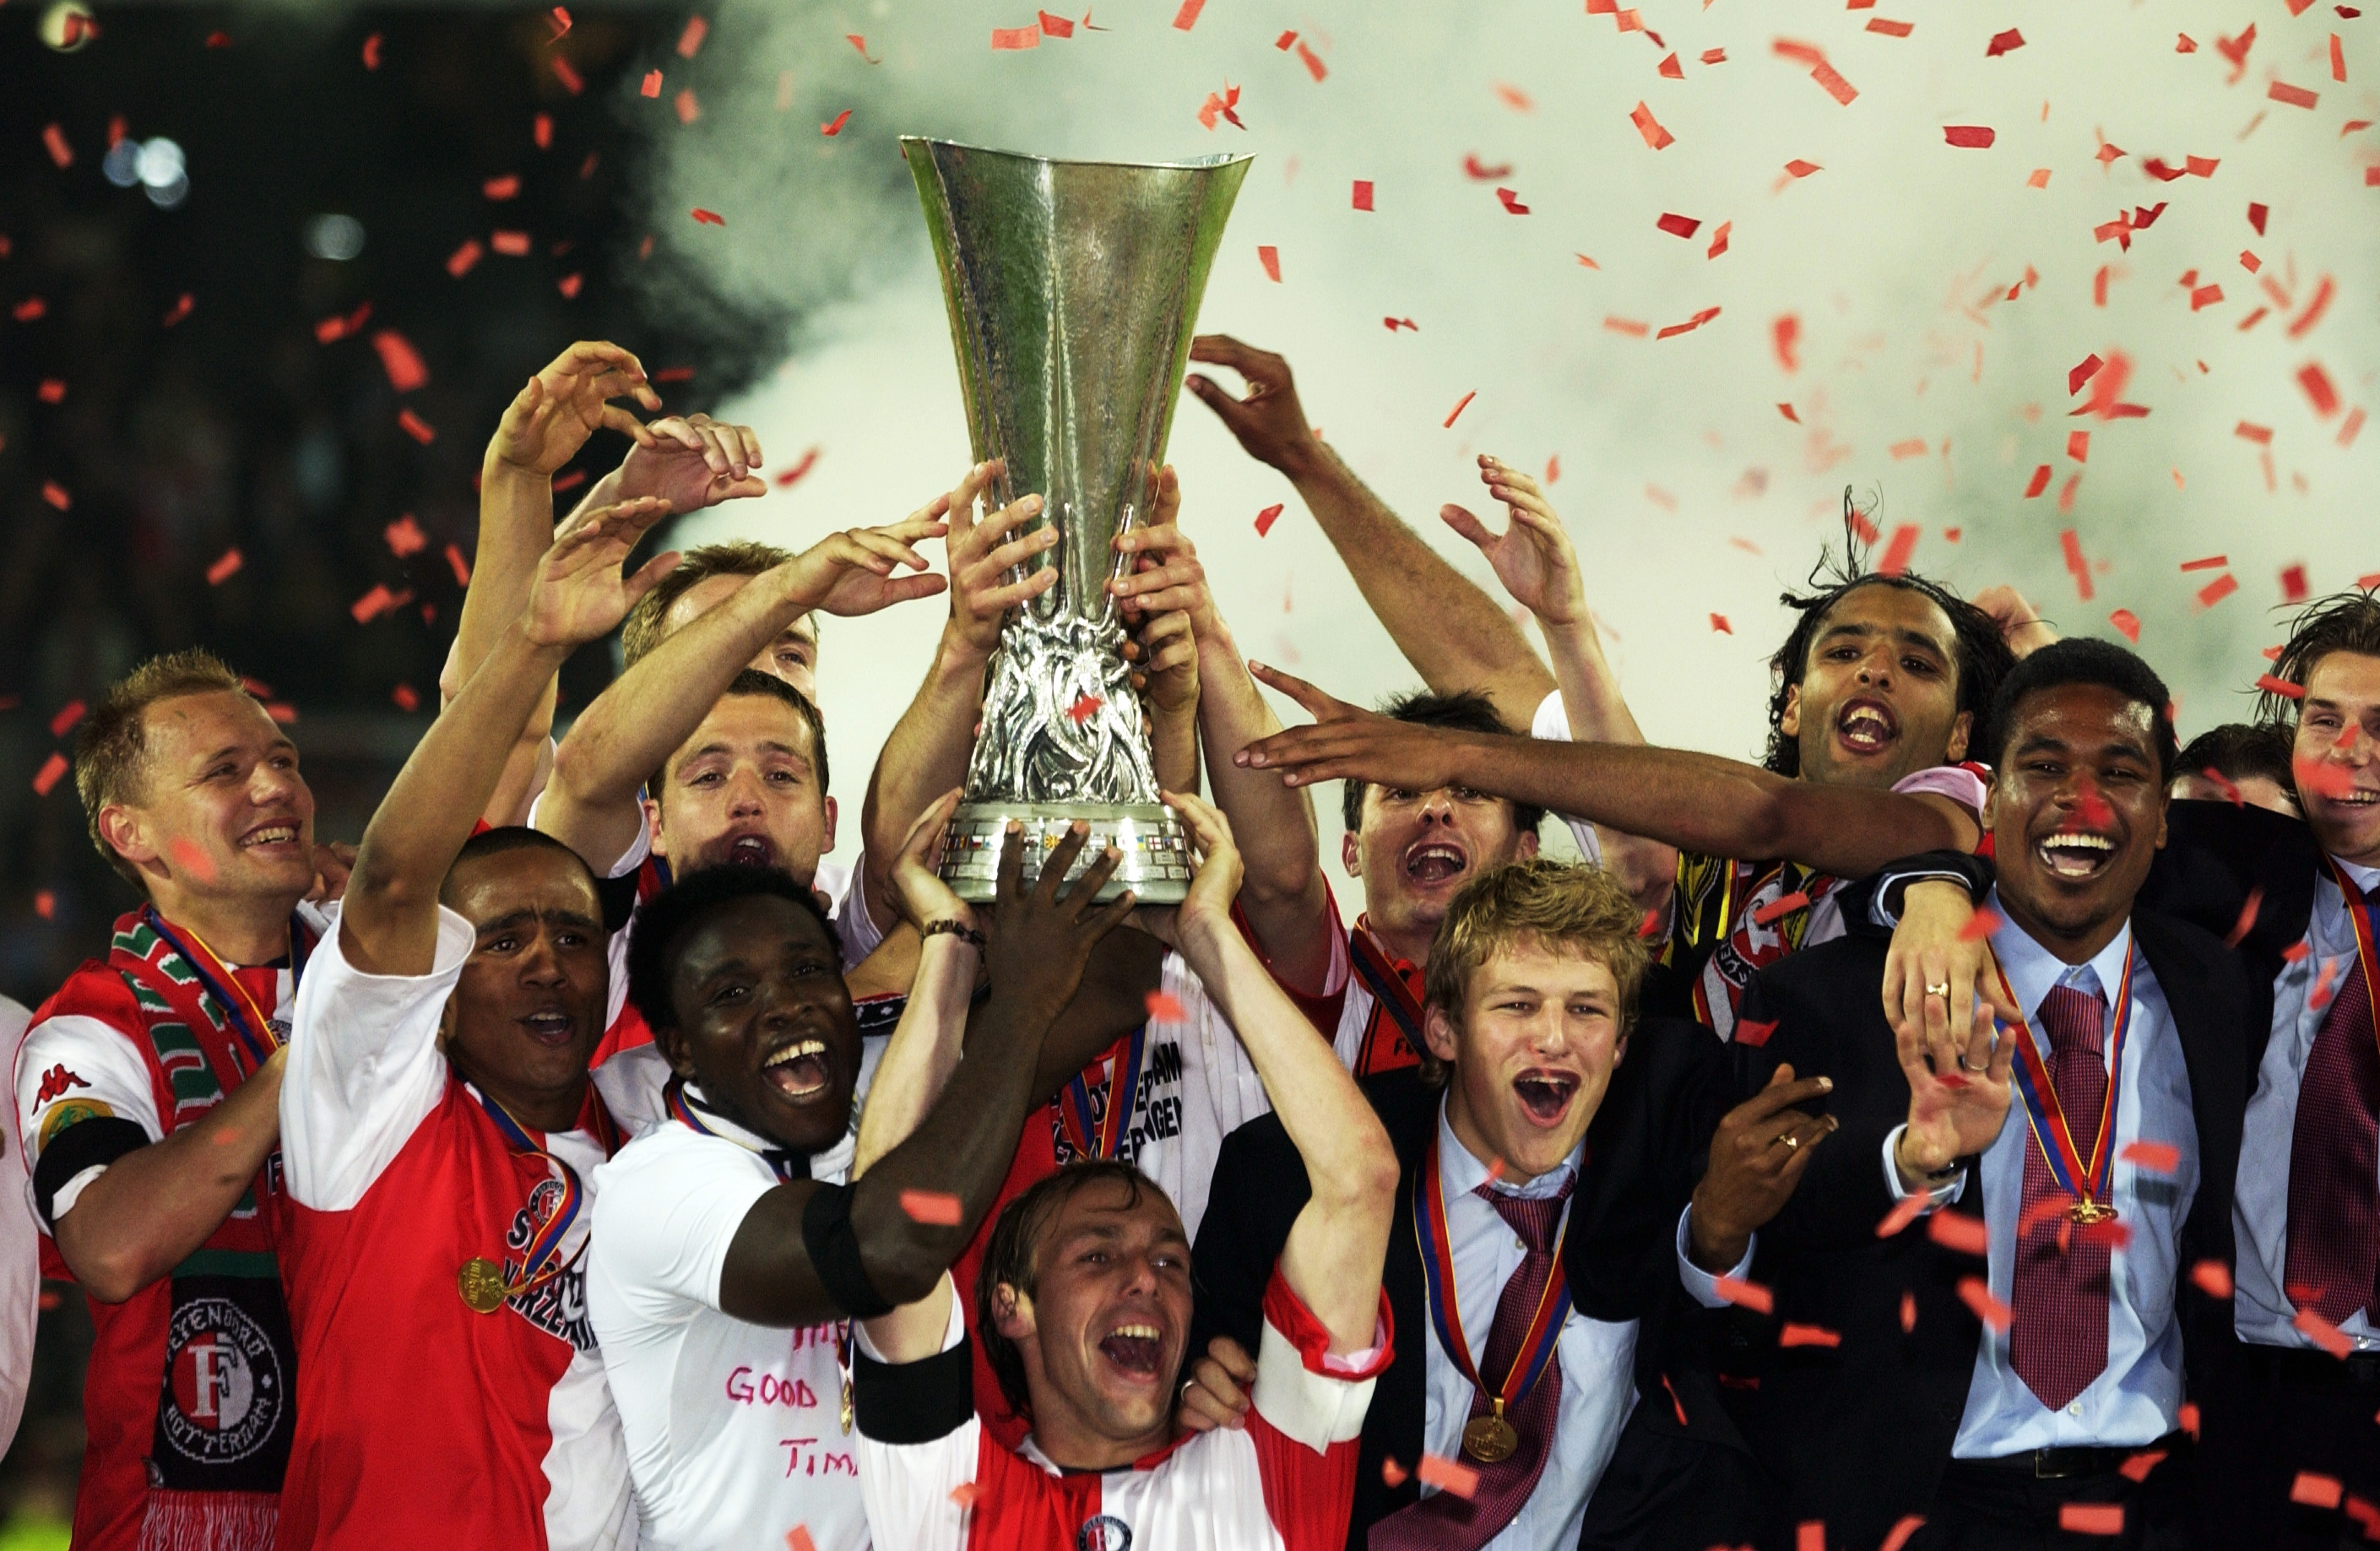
{"x": 1651, "y": 926}
{"x": 2248, "y": 430}
{"x": 2128, "y": 623}
{"x": 400, "y": 360}
{"x": 458, "y": 264}
{"x": 1908, "y": 1316}
{"x": 53, "y": 771}
{"x": 2272, "y": 686}
{"x": 1670, "y": 69}
{"x": 225, "y": 566}
{"x": 1163, "y": 1008}
{"x": 1311, "y": 61}
{"x": 1972, "y": 136}
{"x": 1363, "y": 195}
{"x": 2205, "y": 296}
{"x": 1679, "y": 226}
{"x": 2092, "y": 1519}
{"x": 568, "y": 285}
{"x": 1270, "y": 258}
{"x": 30, "y": 309}
{"x": 2039, "y": 482}
{"x": 2295, "y": 96}
{"x": 966, "y": 1493}
{"x": 1055, "y": 26}
{"x": 1913, "y": 448}
{"x": 1084, "y": 707}
{"x": 2004, "y": 43}
{"x": 503, "y": 188}
{"x": 1808, "y": 1334}
{"x": 1461, "y": 404}
{"x": 808, "y": 461}
{"x": 2311, "y": 1487}
{"x": 181, "y": 310}
{"x": 1978, "y": 1294}
{"x": 52, "y": 391}
{"x": 1655, "y": 135}
{"x": 1890, "y": 28}
{"x": 1511, "y": 203}
{"x": 66, "y": 718}
{"x": 2212, "y": 1277}
{"x": 1474, "y": 168}
{"x": 1391, "y": 1472}
{"x": 2158, "y": 1157}
{"x": 572, "y": 81}
{"x": 407, "y": 699}
{"x": 371, "y": 52}
{"x": 1187, "y": 17}
{"x": 1016, "y": 37}
{"x": 1514, "y": 98}
{"x": 651, "y": 86}
{"x": 799, "y": 1537}
{"x": 1448, "y": 1476}
{"x": 937, "y": 1207}
{"x": 2350, "y": 426}
{"x": 2323, "y": 1333}
{"x": 560, "y": 19}
{"x": 1690, "y": 325}
{"x": 2083, "y": 373}
{"x": 416, "y": 427}
{"x": 2315, "y": 309}
{"x": 1810, "y": 1534}
{"x": 1799, "y": 168}
{"x": 2078, "y": 445}
{"x": 691, "y": 39}
{"x": 1753, "y": 1032}
{"x": 1719, "y": 624}
{"x": 1714, "y": 56}
{"x": 1903, "y": 544}
{"x": 1745, "y": 1294}
{"x": 1982, "y": 924}
{"x": 60, "y": 151}
{"x": 56, "y": 494}
{"x": 2294, "y": 585}
{"x": 455, "y": 562}
{"x": 1266, "y": 519}
{"x": 512, "y": 245}
{"x": 707, "y": 217}
{"x": 835, "y": 127}
{"x": 1904, "y": 1212}
{"x": 46, "y": 906}
{"x": 1954, "y": 1230}
{"x": 1784, "y": 905}
{"x": 1832, "y": 82}
{"x": 859, "y": 42}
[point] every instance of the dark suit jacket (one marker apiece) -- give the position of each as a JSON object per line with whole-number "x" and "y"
{"x": 1859, "y": 1433}
{"x": 1643, "y": 1151}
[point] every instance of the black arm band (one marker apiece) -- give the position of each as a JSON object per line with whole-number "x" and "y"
{"x": 913, "y": 1402}
{"x": 91, "y": 1144}
{"x": 834, "y": 1252}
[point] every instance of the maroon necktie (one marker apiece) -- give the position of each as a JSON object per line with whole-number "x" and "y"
{"x": 2334, "y": 1229}
{"x": 2058, "y": 1341}
{"x": 1448, "y": 1521}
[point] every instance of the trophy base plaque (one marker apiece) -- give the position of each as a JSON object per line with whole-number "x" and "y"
{"x": 1155, "y": 864}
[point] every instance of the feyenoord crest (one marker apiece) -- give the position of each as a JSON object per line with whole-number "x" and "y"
{"x": 224, "y": 1387}
{"x": 1103, "y": 1531}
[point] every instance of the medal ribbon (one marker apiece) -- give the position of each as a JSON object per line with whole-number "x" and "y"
{"x": 542, "y": 1260}
{"x": 2047, "y": 1118}
{"x": 249, "y": 1022}
{"x": 2359, "y": 916}
{"x": 1544, "y": 1332}
{"x": 1123, "y": 1072}
{"x": 1390, "y": 996}
{"x": 683, "y": 1109}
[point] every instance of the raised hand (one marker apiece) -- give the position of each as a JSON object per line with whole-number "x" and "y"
{"x": 1757, "y": 1156}
{"x": 693, "y": 461}
{"x": 1037, "y": 940}
{"x": 1348, "y": 742}
{"x": 1214, "y": 883}
{"x": 1166, "y": 602}
{"x": 1958, "y": 1088}
{"x": 852, "y": 573}
{"x": 1533, "y": 557}
{"x": 982, "y": 553}
{"x": 578, "y": 593}
{"x": 567, "y": 402}
{"x": 2020, "y": 624}
{"x": 1269, "y": 423}
{"x": 917, "y": 886}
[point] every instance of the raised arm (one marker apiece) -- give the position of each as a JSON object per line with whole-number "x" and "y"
{"x": 654, "y": 707}
{"x": 924, "y": 1049}
{"x": 1282, "y": 893}
{"x": 1695, "y": 802}
{"x": 1165, "y": 653}
{"x": 928, "y": 749}
{"x": 1338, "y": 1243}
{"x": 388, "y": 921}
{"x": 1454, "y": 635}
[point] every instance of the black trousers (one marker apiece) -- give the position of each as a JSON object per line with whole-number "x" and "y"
{"x": 2293, "y": 1413}
{"x": 1997, "y": 1507}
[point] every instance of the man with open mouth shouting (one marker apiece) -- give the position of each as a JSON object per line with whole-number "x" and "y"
{"x": 2015, "y": 1368}
{"x": 729, "y": 1253}
{"x": 1084, "y": 1299}
{"x": 441, "y": 1133}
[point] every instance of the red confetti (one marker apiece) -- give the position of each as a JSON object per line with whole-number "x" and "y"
{"x": 2337, "y": 59}
{"x": 512, "y": 245}
{"x": 1679, "y": 226}
{"x": 787, "y": 478}
{"x": 2272, "y": 686}
{"x": 2128, "y": 623}
{"x": 2004, "y": 43}
{"x": 1954, "y": 1230}
{"x": 52, "y": 391}
{"x": 1832, "y": 82}
{"x": 400, "y": 360}
{"x": 651, "y": 85}
{"x": 799, "y": 1537}
{"x": 416, "y": 427}
{"x": 2213, "y": 1278}
{"x": 1016, "y": 37}
{"x": 181, "y": 310}
{"x": 2295, "y": 96}
{"x": 571, "y": 81}
{"x": 1164, "y": 1008}
{"x": 859, "y": 42}
{"x": 1785, "y": 335}
{"x": 67, "y": 715}
{"x": 2209, "y": 562}
{"x": 1084, "y": 707}
{"x": 1913, "y": 448}
{"x": 1266, "y": 519}
{"x": 710, "y": 217}
{"x": 1973, "y": 136}
{"x": 1982, "y": 924}
{"x": 1670, "y": 69}
{"x": 1444, "y": 1474}
{"x": 60, "y": 151}
{"x": 1393, "y": 1473}
{"x": 2312, "y": 1488}
{"x": 2315, "y": 309}
{"x": 1714, "y": 56}
{"x": 46, "y": 906}
{"x": 691, "y": 39}
{"x": 1461, "y": 404}
{"x": 1890, "y": 28}
{"x": 934, "y": 1206}
{"x": 458, "y": 264}
{"x": 1363, "y": 193}
{"x": 2157, "y": 1158}
{"x": 1799, "y": 168}
{"x": 1474, "y": 168}
{"x": 1187, "y": 17}
{"x": 1311, "y": 61}
{"x": 1783, "y": 906}
{"x": 2249, "y": 431}
{"x": 560, "y": 18}
{"x": 568, "y": 284}
{"x": 1808, "y": 1334}
{"x": 2078, "y": 445}
{"x": 407, "y": 699}
{"x": 1647, "y": 125}
{"x": 964, "y": 1494}
{"x": 2323, "y": 1333}
{"x": 1054, "y": 26}
{"x": 30, "y": 309}
{"x": 2090, "y": 1519}
{"x": 1719, "y": 624}
{"x": 56, "y": 494}
{"x": 2205, "y": 297}
{"x": 1755, "y": 1032}
{"x": 53, "y": 771}
{"x": 2082, "y": 371}
{"x": 833, "y": 129}
{"x": 1904, "y": 1212}
{"x": 1908, "y": 1323}
{"x": 1511, "y": 203}
{"x": 1515, "y": 98}
{"x": 1691, "y": 324}
{"x": 1745, "y": 1294}
{"x": 225, "y": 566}
{"x": 461, "y": 567}
{"x": 371, "y": 52}
{"x": 1270, "y": 258}
{"x": 2294, "y": 585}
{"x": 2039, "y": 482}
{"x": 1978, "y": 1294}
{"x": 2256, "y": 218}
{"x": 403, "y": 537}
{"x": 686, "y": 108}
{"x": 2317, "y": 386}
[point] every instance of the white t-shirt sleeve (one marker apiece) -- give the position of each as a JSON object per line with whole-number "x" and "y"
{"x": 666, "y": 1211}
{"x": 908, "y": 1486}
{"x": 78, "y": 1062}
{"x": 364, "y": 1066}
{"x": 1552, "y": 724}
{"x": 20, "y": 1259}
{"x": 859, "y": 933}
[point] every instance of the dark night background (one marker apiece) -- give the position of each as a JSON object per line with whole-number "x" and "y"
{"x": 237, "y": 426}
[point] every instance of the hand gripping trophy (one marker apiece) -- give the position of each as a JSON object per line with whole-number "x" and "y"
{"x": 1072, "y": 287}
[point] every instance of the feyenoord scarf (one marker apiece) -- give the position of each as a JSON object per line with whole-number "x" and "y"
{"x": 1392, "y": 1035}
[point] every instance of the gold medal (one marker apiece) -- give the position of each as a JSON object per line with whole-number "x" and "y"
{"x": 2087, "y": 1212}
{"x": 1490, "y": 1439}
{"x": 481, "y": 1284}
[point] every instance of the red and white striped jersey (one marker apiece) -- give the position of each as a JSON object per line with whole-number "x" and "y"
{"x": 936, "y": 1481}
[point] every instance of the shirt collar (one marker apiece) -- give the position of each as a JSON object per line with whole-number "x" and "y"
{"x": 2032, "y": 971}
{"x": 1460, "y": 1173}
{"x": 719, "y": 1125}
{"x": 2365, "y": 878}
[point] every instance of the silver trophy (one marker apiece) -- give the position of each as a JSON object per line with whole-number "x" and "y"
{"x": 1073, "y": 287}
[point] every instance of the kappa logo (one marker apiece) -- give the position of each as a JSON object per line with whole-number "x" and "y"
{"x": 223, "y": 1385}
{"x": 54, "y": 1084}
{"x": 72, "y": 1111}
{"x": 1103, "y": 1533}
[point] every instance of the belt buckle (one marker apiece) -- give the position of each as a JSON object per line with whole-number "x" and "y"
{"x": 2056, "y": 1463}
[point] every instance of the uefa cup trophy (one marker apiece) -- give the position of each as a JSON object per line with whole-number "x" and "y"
{"x": 1072, "y": 287}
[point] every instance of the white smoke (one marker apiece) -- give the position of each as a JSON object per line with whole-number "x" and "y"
{"x": 1687, "y": 490}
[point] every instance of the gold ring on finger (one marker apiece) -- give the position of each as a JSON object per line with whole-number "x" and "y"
{"x": 1964, "y": 1067}
{"x": 1942, "y": 990}
{"x": 1790, "y": 1141}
